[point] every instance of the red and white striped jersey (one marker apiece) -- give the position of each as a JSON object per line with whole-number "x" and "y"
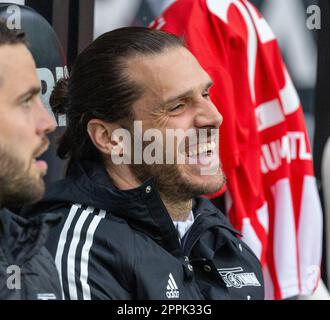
{"x": 271, "y": 196}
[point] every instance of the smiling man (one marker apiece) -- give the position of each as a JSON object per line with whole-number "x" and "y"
{"x": 137, "y": 229}
{"x": 26, "y": 267}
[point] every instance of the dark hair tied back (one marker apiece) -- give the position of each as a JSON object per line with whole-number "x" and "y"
{"x": 59, "y": 97}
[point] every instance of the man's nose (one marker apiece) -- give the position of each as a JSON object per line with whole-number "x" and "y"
{"x": 45, "y": 122}
{"x": 208, "y": 115}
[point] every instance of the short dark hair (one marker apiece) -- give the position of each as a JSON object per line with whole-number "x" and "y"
{"x": 99, "y": 88}
{"x": 10, "y": 36}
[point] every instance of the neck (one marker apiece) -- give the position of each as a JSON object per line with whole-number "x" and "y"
{"x": 122, "y": 177}
{"x": 178, "y": 210}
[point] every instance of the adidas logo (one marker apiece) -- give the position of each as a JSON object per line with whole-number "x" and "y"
{"x": 172, "y": 291}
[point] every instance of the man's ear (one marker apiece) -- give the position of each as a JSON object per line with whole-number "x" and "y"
{"x": 101, "y": 134}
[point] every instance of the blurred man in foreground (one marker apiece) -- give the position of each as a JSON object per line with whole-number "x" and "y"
{"x": 26, "y": 268}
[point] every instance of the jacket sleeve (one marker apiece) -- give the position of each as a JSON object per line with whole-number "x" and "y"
{"x": 91, "y": 262}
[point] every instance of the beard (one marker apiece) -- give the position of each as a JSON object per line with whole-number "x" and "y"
{"x": 18, "y": 187}
{"x": 171, "y": 180}
{"x": 173, "y": 184}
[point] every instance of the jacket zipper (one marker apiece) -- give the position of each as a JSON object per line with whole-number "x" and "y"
{"x": 185, "y": 242}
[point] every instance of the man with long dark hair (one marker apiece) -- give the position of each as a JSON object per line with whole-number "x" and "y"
{"x": 141, "y": 138}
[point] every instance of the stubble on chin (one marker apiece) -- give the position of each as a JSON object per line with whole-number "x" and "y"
{"x": 19, "y": 186}
{"x": 175, "y": 185}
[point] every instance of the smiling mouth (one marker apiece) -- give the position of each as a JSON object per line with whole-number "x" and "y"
{"x": 207, "y": 148}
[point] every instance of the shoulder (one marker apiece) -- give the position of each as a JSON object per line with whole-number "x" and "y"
{"x": 93, "y": 228}
{"x": 79, "y": 218}
{"x": 25, "y": 239}
{"x": 223, "y": 228}
{"x": 91, "y": 245}
{"x": 211, "y": 214}
{"x": 41, "y": 277}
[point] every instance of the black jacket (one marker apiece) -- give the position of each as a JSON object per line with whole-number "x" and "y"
{"x": 27, "y": 270}
{"x": 117, "y": 244}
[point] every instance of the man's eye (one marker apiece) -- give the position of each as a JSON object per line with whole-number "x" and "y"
{"x": 206, "y": 94}
{"x": 26, "y": 103}
{"x": 178, "y": 107}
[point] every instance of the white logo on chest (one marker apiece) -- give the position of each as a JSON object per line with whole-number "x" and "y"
{"x": 235, "y": 277}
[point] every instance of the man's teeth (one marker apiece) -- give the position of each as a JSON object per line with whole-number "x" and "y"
{"x": 202, "y": 148}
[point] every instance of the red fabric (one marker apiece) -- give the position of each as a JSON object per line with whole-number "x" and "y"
{"x": 234, "y": 44}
